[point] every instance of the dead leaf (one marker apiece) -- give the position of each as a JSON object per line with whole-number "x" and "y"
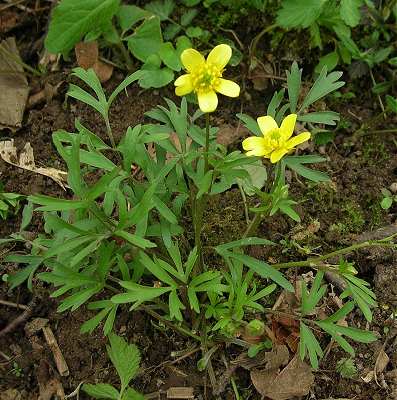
{"x": 369, "y": 377}
{"x": 275, "y": 358}
{"x": 11, "y": 394}
{"x": 8, "y": 153}
{"x": 44, "y": 95}
{"x": 8, "y": 20}
{"x": 180, "y": 393}
{"x": 228, "y": 134}
{"x": 294, "y": 380}
{"x": 381, "y": 363}
{"x": 87, "y": 54}
{"x": 14, "y": 88}
{"x": 260, "y": 73}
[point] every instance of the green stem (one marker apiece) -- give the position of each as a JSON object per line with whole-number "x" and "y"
{"x": 126, "y": 55}
{"x": 109, "y": 132}
{"x": 198, "y": 205}
{"x": 253, "y": 226}
{"x": 177, "y": 328}
{"x": 315, "y": 261}
{"x": 207, "y": 142}
{"x": 258, "y": 37}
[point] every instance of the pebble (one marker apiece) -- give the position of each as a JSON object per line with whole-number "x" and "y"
{"x": 393, "y": 187}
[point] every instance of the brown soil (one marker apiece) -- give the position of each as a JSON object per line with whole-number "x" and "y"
{"x": 343, "y": 209}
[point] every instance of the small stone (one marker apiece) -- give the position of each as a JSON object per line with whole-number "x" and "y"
{"x": 393, "y": 187}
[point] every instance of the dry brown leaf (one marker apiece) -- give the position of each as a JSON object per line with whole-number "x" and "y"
{"x": 8, "y": 20}
{"x": 14, "y": 88}
{"x": 180, "y": 393}
{"x": 228, "y": 134}
{"x": 294, "y": 380}
{"x": 11, "y": 394}
{"x": 381, "y": 363}
{"x": 8, "y": 153}
{"x": 87, "y": 54}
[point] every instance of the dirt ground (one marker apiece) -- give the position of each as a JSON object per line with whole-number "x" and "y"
{"x": 340, "y": 211}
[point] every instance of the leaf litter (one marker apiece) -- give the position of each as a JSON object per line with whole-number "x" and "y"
{"x": 9, "y": 153}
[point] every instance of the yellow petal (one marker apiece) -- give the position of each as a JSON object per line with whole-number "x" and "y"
{"x": 208, "y": 101}
{"x": 228, "y": 88}
{"x": 277, "y": 155}
{"x": 184, "y": 85}
{"x": 298, "y": 139}
{"x": 220, "y": 55}
{"x": 192, "y": 59}
{"x": 267, "y": 124}
{"x": 255, "y": 146}
{"x": 287, "y": 126}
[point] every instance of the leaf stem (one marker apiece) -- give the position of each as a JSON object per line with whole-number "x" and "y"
{"x": 316, "y": 261}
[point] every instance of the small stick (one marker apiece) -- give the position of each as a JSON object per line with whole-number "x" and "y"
{"x": 60, "y": 362}
{"x": 15, "y": 305}
{"x": 22, "y": 318}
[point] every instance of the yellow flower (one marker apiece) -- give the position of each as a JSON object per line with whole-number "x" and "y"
{"x": 204, "y": 77}
{"x": 276, "y": 141}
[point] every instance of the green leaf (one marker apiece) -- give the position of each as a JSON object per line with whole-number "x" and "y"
{"x": 146, "y": 40}
{"x": 72, "y": 19}
{"x": 294, "y": 78}
{"x": 138, "y": 294}
{"x": 152, "y": 75}
{"x": 299, "y": 13}
{"x": 169, "y": 56}
{"x": 77, "y": 299}
{"x": 324, "y": 84}
{"x": 250, "y": 124}
{"x": 330, "y": 61}
{"x": 129, "y": 15}
{"x": 162, "y": 9}
{"x": 27, "y": 214}
{"x": 101, "y": 391}
{"x": 381, "y": 87}
{"x": 263, "y": 269}
{"x": 156, "y": 269}
{"x": 386, "y": 203}
{"x": 204, "y": 184}
{"x": 275, "y": 102}
{"x": 295, "y": 163}
{"x": 126, "y": 82}
{"x": 90, "y": 325}
{"x": 250, "y": 241}
{"x": 135, "y": 239}
{"x": 350, "y": 12}
{"x": 317, "y": 292}
{"x": 391, "y": 103}
{"x": 194, "y": 31}
{"x": 125, "y": 358}
{"x": 175, "y": 306}
{"x": 309, "y": 342}
{"x": 188, "y": 16}
{"x": 257, "y": 176}
{"x": 132, "y": 394}
{"x": 164, "y": 211}
{"x": 320, "y": 117}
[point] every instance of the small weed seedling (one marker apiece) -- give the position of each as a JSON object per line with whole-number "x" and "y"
{"x": 125, "y": 358}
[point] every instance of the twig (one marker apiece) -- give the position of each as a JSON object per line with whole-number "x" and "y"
{"x": 60, "y": 362}
{"x": 15, "y": 305}
{"x": 22, "y": 318}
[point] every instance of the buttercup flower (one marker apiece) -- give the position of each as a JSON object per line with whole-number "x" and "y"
{"x": 204, "y": 77}
{"x": 276, "y": 141}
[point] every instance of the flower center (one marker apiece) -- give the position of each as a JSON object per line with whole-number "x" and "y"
{"x": 206, "y": 78}
{"x": 274, "y": 138}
